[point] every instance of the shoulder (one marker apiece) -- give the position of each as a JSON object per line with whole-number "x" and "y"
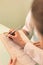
{"x": 29, "y": 15}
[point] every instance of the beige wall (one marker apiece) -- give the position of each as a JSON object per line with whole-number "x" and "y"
{"x": 13, "y": 12}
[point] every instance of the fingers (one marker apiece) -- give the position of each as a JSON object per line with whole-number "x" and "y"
{"x": 12, "y": 36}
{"x": 10, "y": 31}
{"x": 13, "y": 61}
{"x": 37, "y": 44}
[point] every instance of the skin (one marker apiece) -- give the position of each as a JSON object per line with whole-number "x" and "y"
{"x": 12, "y": 61}
{"x": 17, "y": 39}
{"x": 17, "y": 36}
{"x": 40, "y": 43}
{"x": 41, "y": 40}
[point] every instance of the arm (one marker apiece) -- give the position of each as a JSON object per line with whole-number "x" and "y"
{"x": 27, "y": 29}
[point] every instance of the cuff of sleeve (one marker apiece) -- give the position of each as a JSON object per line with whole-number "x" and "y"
{"x": 34, "y": 52}
{"x": 25, "y": 28}
{"x": 26, "y": 48}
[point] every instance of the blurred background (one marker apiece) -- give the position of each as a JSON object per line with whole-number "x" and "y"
{"x": 13, "y": 12}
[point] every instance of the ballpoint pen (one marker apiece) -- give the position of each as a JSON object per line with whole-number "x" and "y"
{"x": 13, "y": 32}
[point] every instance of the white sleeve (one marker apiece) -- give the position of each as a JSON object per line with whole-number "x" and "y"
{"x": 34, "y": 52}
{"x": 28, "y": 24}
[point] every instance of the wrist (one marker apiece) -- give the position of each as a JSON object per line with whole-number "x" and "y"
{"x": 22, "y": 44}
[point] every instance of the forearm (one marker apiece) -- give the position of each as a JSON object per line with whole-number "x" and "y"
{"x": 22, "y": 42}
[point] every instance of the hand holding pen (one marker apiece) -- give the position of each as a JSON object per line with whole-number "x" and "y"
{"x": 12, "y": 31}
{"x": 15, "y": 36}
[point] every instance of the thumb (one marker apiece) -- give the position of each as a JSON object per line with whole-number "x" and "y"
{"x": 13, "y": 36}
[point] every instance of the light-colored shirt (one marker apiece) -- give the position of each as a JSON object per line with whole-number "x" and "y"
{"x": 34, "y": 52}
{"x": 30, "y": 28}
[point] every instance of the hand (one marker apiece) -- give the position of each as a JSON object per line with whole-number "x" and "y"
{"x": 17, "y": 38}
{"x": 37, "y": 44}
{"x": 13, "y": 61}
{"x": 11, "y": 31}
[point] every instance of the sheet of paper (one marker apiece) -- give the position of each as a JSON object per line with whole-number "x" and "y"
{"x": 15, "y": 50}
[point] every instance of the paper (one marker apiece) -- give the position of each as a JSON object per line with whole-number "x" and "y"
{"x": 15, "y": 50}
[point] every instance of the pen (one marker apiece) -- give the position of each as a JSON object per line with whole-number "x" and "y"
{"x": 13, "y": 32}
